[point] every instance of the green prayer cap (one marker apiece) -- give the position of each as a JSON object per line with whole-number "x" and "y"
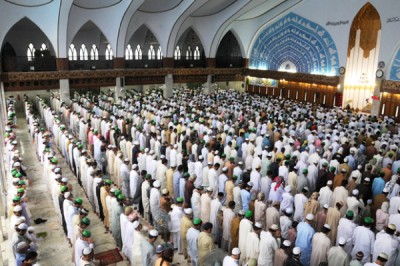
{"x": 223, "y": 155}
{"x": 179, "y": 200}
{"x": 350, "y": 214}
{"x": 231, "y": 158}
{"x": 85, "y": 220}
{"x": 148, "y": 176}
{"x": 18, "y": 175}
{"x": 20, "y": 190}
{"x": 21, "y": 182}
{"x": 186, "y": 174}
{"x": 398, "y": 170}
{"x": 325, "y": 164}
{"x": 86, "y": 233}
{"x": 14, "y": 171}
{"x": 234, "y": 177}
{"x": 305, "y": 171}
{"x": 108, "y": 182}
{"x": 54, "y": 160}
{"x": 332, "y": 168}
{"x": 63, "y": 188}
{"x": 80, "y": 146}
{"x": 197, "y": 221}
{"x": 368, "y": 220}
{"x": 78, "y": 201}
{"x": 121, "y": 196}
{"x": 16, "y": 198}
{"x": 117, "y": 192}
{"x": 248, "y": 214}
{"x": 287, "y": 156}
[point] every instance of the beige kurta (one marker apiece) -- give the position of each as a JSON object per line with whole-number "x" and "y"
{"x": 245, "y": 227}
{"x": 320, "y": 246}
{"x": 170, "y": 181}
{"x": 259, "y": 211}
{"x": 272, "y": 217}
{"x": 205, "y": 245}
{"x": 229, "y": 185}
{"x": 186, "y": 223}
{"x": 205, "y": 200}
{"x": 280, "y": 257}
{"x": 332, "y": 218}
{"x": 103, "y": 194}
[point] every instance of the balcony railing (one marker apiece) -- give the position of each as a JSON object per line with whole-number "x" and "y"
{"x": 190, "y": 63}
{"x": 21, "y": 64}
{"x": 102, "y": 63}
{"x": 144, "y": 63}
{"x": 229, "y": 61}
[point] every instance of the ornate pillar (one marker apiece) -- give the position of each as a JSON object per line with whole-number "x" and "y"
{"x": 168, "y": 90}
{"x": 209, "y": 88}
{"x": 64, "y": 91}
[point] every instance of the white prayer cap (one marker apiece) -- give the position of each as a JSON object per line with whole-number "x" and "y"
{"x": 392, "y": 227}
{"x": 164, "y": 191}
{"x": 21, "y": 245}
{"x": 216, "y": 152}
{"x": 359, "y": 167}
{"x": 274, "y": 227}
{"x": 157, "y": 184}
{"x": 188, "y": 211}
{"x": 210, "y": 163}
{"x": 57, "y": 176}
{"x": 57, "y": 170}
{"x": 23, "y": 226}
{"x": 162, "y": 156}
{"x": 289, "y": 210}
{"x": 86, "y": 251}
{"x": 287, "y": 243}
{"x": 175, "y": 146}
{"x": 17, "y": 164}
{"x": 235, "y": 251}
{"x": 342, "y": 241}
{"x": 126, "y": 160}
{"x": 17, "y": 208}
{"x": 258, "y": 225}
{"x": 327, "y": 226}
{"x": 146, "y": 150}
{"x": 346, "y": 160}
{"x": 64, "y": 179}
{"x": 31, "y": 229}
{"x": 383, "y": 255}
{"x": 310, "y": 217}
{"x": 367, "y": 179}
{"x": 136, "y": 142}
{"x": 153, "y": 233}
{"x": 326, "y": 206}
{"x": 288, "y": 189}
{"x": 200, "y": 157}
{"x": 240, "y": 162}
{"x": 67, "y": 195}
{"x": 112, "y": 190}
{"x": 134, "y": 166}
{"x": 209, "y": 189}
{"x": 355, "y": 192}
{"x": 151, "y": 152}
{"x": 224, "y": 169}
{"x": 369, "y": 201}
{"x": 296, "y": 251}
{"x": 385, "y": 190}
{"x": 135, "y": 224}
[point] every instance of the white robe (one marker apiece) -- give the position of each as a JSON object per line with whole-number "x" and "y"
{"x": 268, "y": 245}
{"x": 345, "y": 229}
{"x": 192, "y": 249}
{"x": 388, "y": 244}
{"x": 363, "y": 240}
{"x": 245, "y": 227}
{"x": 215, "y": 207}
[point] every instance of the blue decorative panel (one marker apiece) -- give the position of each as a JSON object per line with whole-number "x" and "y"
{"x": 395, "y": 68}
{"x": 299, "y": 41}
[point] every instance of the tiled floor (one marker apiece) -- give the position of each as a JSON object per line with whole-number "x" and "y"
{"x": 54, "y": 249}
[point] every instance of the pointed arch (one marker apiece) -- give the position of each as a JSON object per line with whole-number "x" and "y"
{"x": 146, "y": 38}
{"x": 90, "y": 34}
{"x": 306, "y": 44}
{"x": 25, "y": 31}
{"x": 229, "y": 53}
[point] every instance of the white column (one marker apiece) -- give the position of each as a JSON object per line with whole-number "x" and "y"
{"x": 3, "y": 103}
{"x": 64, "y": 91}
{"x": 377, "y": 92}
{"x": 168, "y": 90}
{"x": 209, "y": 88}
{"x": 119, "y": 88}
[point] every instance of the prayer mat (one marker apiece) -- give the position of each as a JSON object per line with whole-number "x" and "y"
{"x": 109, "y": 257}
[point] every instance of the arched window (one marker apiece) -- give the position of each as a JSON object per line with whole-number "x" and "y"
{"x": 138, "y": 53}
{"x": 189, "y": 53}
{"x": 109, "y": 53}
{"x": 151, "y": 53}
{"x": 177, "y": 53}
{"x": 128, "y": 52}
{"x": 159, "y": 53}
{"x": 43, "y": 47}
{"x": 31, "y": 52}
{"x": 72, "y": 54}
{"x": 94, "y": 53}
{"x": 197, "y": 53}
{"x": 83, "y": 53}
